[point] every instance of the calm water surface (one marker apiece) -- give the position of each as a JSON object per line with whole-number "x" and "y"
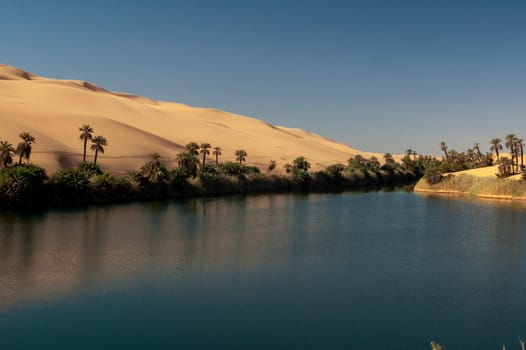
{"x": 390, "y": 270}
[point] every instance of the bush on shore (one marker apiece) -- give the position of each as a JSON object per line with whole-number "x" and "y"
{"x": 22, "y": 185}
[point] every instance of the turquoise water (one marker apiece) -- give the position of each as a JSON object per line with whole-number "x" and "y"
{"x": 390, "y": 270}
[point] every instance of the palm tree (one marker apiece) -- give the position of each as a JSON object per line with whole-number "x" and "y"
{"x": 205, "y": 151}
{"x": 414, "y": 155}
{"x": 193, "y": 148}
{"x": 153, "y": 169}
{"x": 409, "y": 152}
{"x": 443, "y": 147}
{"x": 471, "y": 154}
{"x": 505, "y": 167}
{"x": 24, "y": 148}
{"x": 241, "y": 155}
{"x": 373, "y": 164}
{"x": 188, "y": 161}
{"x": 217, "y": 153}
{"x": 300, "y": 163}
{"x": 477, "y": 149}
{"x": 86, "y": 134}
{"x": 496, "y": 146}
{"x": 520, "y": 146}
{"x": 97, "y": 145}
{"x": 6, "y": 153}
{"x": 510, "y": 143}
{"x": 389, "y": 160}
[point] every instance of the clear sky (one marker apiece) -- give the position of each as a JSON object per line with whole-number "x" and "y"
{"x": 378, "y": 75}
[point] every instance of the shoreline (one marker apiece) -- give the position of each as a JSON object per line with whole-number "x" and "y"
{"x": 474, "y": 187}
{"x": 71, "y": 191}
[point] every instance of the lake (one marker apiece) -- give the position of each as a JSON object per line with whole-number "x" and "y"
{"x": 389, "y": 270}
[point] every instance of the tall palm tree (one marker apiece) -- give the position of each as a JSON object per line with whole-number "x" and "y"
{"x": 241, "y": 155}
{"x": 443, "y": 147}
{"x": 496, "y": 146}
{"x": 193, "y": 148}
{"x": 86, "y": 134}
{"x": 217, "y": 153}
{"x": 477, "y": 149}
{"x": 6, "y": 153}
{"x": 97, "y": 144}
{"x": 205, "y": 151}
{"x": 510, "y": 144}
{"x": 520, "y": 146}
{"x": 409, "y": 152}
{"x": 24, "y": 148}
{"x": 414, "y": 155}
{"x": 471, "y": 154}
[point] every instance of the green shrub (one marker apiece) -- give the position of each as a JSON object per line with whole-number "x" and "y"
{"x": 22, "y": 185}
{"x": 69, "y": 185}
{"x": 89, "y": 168}
{"x": 335, "y": 170}
{"x": 233, "y": 169}
{"x": 250, "y": 169}
{"x": 207, "y": 169}
{"x": 433, "y": 176}
{"x": 102, "y": 182}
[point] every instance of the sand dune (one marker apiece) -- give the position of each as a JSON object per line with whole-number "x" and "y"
{"x": 52, "y": 110}
{"x": 490, "y": 171}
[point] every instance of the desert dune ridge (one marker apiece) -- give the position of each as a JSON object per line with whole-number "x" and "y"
{"x": 52, "y": 110}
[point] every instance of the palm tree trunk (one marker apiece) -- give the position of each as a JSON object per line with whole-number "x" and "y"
{"x": 217, "y": 160}
{"x": 96, "y": 154}
{"x": 522, "y": 156}
{"x": 20, "y": 160}
{"x": 204, "y": 158}
{"x": 512, "y": 149}
{"x": 84, "y": 155}
{"x": 497, "y": 151}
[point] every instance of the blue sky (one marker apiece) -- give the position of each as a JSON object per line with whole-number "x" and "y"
{"x": 378, "y": 75}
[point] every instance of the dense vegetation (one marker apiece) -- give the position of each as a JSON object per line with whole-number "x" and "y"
{"x": 473, "y": 158}
{"x": 497, "y": 187}
{"x": 199, "y": 172}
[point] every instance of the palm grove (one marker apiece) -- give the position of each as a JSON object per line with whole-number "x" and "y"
{"x": 474, "y": 158}
{"x": 200, "y": 171}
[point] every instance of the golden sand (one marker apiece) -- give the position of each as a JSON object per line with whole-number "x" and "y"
{"x": 52, "y": 110}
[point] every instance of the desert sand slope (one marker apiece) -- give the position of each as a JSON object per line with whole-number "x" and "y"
{"x": 52, "y": 110}
{"x": 490, "y": 171}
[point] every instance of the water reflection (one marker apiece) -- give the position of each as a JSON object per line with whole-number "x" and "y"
{"x": 45, "y": 254}
{"x": 375, "y": 261}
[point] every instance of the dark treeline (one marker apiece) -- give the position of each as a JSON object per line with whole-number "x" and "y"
{"x": 199, "y": 172}
{"x": 28, "y": 185}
